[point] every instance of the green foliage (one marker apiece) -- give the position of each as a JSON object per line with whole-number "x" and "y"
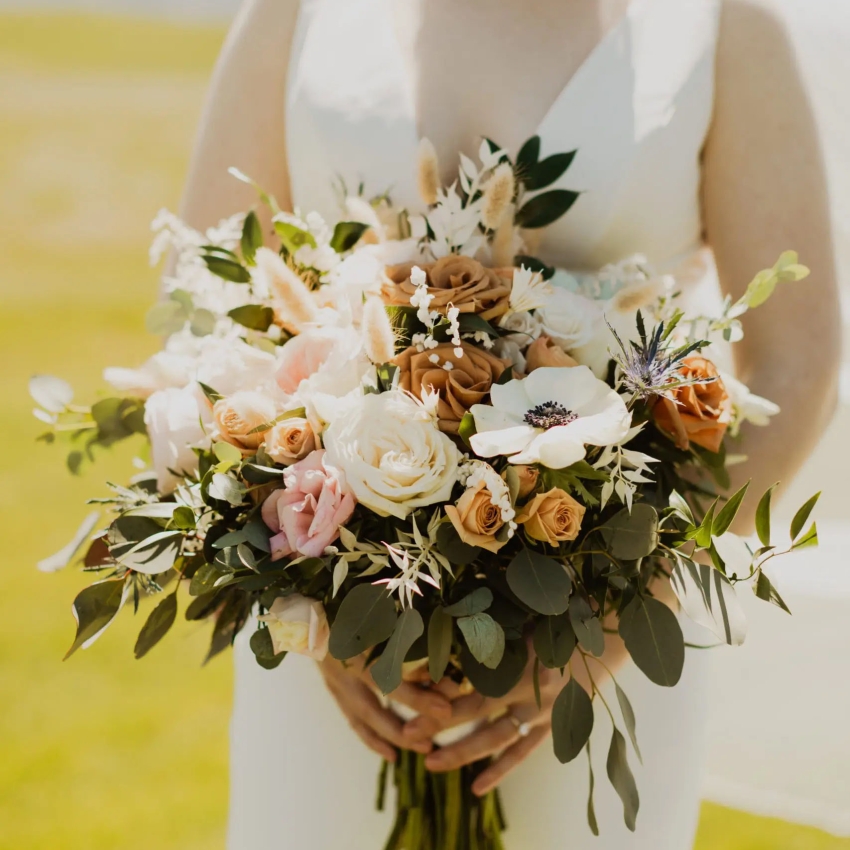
{"x": 386, "y": 671}
{"x": 94, "y": 608}
{"x": 628, "y": 718}
{"x": 554, "y": 641}
{"x": 727, "y": 514}
{"x": 501, "y": 680}
{"x": 802, "y": 516}
{"x": 484, "y": 637}
{"x": 252, "y": 238}
{"x": 347, "y": 234}
{"x": 473, "y": 603}
{"x": 366, "y": 617}
{"x": 586, "y": 626}
{"x": 545, "y": 209}
{"x": 632, "y": 535}
{"x": 540, "y": 582}
{"x": 293, "y": 237}
{"x": 654, "y": 639}
{"x": 440, "y": 628}
{"x": 763, "y": 516}
{"x": 157, "y": 625}
{"x": 766, "y": 591}
{"x": 622, "y": 779}
{"x": 256, "y": 317}
{"x": 263, "y": 649}
{"x": 227, "y": 269}
{"x": 572, "y": 721}
{"x": 547, "y": 171}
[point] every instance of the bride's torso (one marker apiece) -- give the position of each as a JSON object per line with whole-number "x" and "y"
{"x": 627, "y": 84}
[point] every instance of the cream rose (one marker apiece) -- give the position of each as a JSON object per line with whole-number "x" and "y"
{"x": 298, "y": 624}
{"x": 394, "y": 456}
{"x": 476, "y": 519}
{"x": 290, "y": 440}
{"x": 553, "y": 517}
{"x": 236, "y": 416}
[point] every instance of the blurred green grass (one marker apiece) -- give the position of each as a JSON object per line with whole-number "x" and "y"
{"x": 103, "y": 752}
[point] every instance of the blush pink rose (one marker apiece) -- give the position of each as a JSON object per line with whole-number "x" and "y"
{"x": 306, "y": 514}
{"x": 304, "y": 355}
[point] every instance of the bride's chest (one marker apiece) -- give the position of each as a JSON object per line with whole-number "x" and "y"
{"x": 493, "y": 67}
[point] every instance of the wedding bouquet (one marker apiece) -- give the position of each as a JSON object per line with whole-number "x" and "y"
{"x": 404, "y": 437}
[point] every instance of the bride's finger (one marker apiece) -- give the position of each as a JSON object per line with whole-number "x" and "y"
{"x": 374, "y": 742}
{"x": 424, "y": 701}
{"x": 514, "y": 755}
{"x": 491, "y": 739}
{"x": 386, "y": 724}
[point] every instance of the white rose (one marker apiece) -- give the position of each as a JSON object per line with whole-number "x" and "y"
{"x": 174, "y": 421}
{"x": 394, "y": 457}
{"x": 298, "y": 624}
{"x": 570, "y": 319}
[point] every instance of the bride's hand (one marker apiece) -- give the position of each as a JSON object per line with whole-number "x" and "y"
{"x": 379, "y": 728}
{"x": 517, "y": 728}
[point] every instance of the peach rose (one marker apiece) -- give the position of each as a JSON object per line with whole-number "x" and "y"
{"x": 552, "y": 517}
{"x": 236, "y": 416}
{"x": 307, "y": 513}
{"x": 466, "y": 382}
{"x": 696, "y": 413}
{"x": 544, "y": 352}
{"x": 298, "y": 624}
{"x": 290, "y": 440}
{"x": 476, "y": 519}
{"x": 304, "y": 355}
{"x": 528, "y": 477}
{"x": 454, "y": 280}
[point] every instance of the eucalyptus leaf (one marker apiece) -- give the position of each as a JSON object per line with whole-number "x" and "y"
{"x": 440, "y": 628}
{"x": 366, "y": 618}
{"x": 654, "y": 639}
{"x": 484, "y": 637}
{"x": 540, "y": 582}
{"x": 586, "y": 626}
{"x": 496, "y": 683}
{"x": 387, "y": 670}
{"x": 572, "y": 721}
{"x": 544, "y": 209}
{"x": 263, "y": 648}
{"x": 160, "y": 620}
{"x": 620, "y": 775}
{"x": 473, "y": 603}
{"x": 591, "y": 809}
{"x": 632, "y": 535}
{"x": 628, "y": 718}
{"x": 166, "y": 318}
{"x": 202, "y": 323}
{"x": 554, "y": 641}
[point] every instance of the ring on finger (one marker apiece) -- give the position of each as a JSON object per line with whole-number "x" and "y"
{"x": 522, "y": 729}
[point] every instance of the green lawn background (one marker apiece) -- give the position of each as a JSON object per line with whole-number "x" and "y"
{"x": 103, "y": 752}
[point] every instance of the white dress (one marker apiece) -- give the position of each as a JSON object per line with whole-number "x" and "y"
{"x": 637, "y": 111}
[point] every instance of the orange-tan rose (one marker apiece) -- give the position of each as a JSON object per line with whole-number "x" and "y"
{"x": 528, "y": 477}
{"x": 466, "y": 382}
{"x": 553, "y": 517}
{"x": 238, "y": 415}
{"x": 290, "y": 441}
{"x": 544, "y": 352}
{"x": 476, "y": 519}
{"x": 697, "y": 413}
{"x": 454, "y": 281}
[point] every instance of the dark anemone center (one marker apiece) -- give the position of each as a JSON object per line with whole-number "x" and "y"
{"x": 550, "y": 414}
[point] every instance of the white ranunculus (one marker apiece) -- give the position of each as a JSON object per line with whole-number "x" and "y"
{"x": 229, "y": 365}
{"x": 523, "y": 327}
{"x": 394, "y": 457}
{"x": 570, "y": 319}
{"x": 174, "y": 421}
{"x": 549, "y": 417}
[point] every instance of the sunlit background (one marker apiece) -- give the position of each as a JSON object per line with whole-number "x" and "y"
{"x": 97, "y": 113}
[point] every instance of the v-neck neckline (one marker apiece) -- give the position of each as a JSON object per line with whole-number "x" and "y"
{"x": 609, "y": 37}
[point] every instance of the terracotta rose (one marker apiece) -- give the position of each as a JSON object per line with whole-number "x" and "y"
{"x": 454, "y": 280}
{"x": 466, "y": 382}
{"x": 697, "y": 413}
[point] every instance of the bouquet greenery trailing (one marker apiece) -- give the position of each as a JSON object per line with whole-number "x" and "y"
{"x": 404, "y": 438}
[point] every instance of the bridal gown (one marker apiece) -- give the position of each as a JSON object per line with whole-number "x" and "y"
{"x": 637, "y": 111}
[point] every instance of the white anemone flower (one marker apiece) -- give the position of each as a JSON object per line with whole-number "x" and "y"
{"x": 549, "y": 417}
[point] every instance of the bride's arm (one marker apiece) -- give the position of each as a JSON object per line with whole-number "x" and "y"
{"x": 243, "y": 119}
{"x": 765, "y": 192}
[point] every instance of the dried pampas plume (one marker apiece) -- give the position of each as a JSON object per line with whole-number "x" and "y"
{"x": 378, "y": 334}
{"x": 428, "y": 173}
{"x": 498, "y": 195}
{"x": 505, "y": 241}
{"x": 294, "y": 304}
